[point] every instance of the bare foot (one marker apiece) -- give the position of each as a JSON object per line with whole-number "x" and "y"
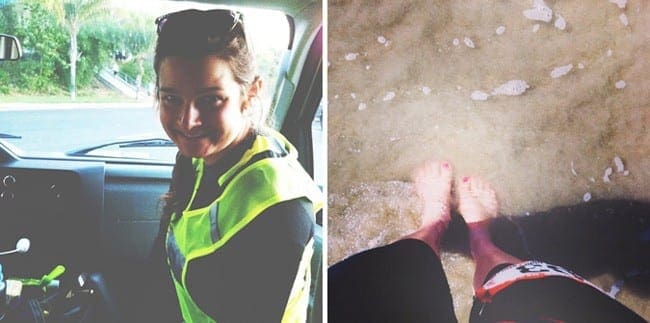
{"x": 477, "y": 201}
{"x": 433, "y": 182}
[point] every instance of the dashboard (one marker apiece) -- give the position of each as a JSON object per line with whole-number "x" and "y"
{"x": 85, "y": 214}
{"x": 57, "y": 206}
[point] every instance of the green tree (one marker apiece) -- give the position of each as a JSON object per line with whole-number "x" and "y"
{"x": 97, "y": 54}
{"x": 132, "y": 35}
{"x": 72, "y": 15}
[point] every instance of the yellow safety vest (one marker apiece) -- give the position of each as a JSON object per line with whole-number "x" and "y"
{"x": 268, "y": 173}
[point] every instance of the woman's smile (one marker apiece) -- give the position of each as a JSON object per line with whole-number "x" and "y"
{"x": 195, "y": 135}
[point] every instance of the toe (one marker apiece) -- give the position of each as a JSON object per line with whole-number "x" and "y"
{"x": 445, "y": 170}
{"x": 464, "y": 187}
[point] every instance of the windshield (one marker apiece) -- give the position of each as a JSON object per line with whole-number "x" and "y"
{"x": 105, "y": 108}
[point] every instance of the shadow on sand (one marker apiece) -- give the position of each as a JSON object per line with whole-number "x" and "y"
{"x": 608, "y": 236}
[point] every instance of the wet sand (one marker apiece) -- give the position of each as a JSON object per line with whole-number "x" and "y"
{"x": 402, "y": 89}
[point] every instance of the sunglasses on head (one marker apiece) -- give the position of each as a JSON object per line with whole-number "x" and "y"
{"x": 216, "y": 20}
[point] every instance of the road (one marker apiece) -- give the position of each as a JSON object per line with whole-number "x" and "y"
{"x": 57, "y": 130}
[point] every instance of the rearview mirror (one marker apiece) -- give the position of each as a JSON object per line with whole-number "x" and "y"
{"x": 9, "y": 48}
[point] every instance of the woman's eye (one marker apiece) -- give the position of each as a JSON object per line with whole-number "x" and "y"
{"x": 171, "y": 100}
{"x": 211, "y": 100}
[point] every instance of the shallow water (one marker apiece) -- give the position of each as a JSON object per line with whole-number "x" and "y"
{"x": 400, "y": 92}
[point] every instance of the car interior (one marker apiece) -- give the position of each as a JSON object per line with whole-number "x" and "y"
{"x": 99, "y": 215}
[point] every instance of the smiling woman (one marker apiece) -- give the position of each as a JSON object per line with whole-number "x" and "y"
{"x": 239, "y": 204}
{"x": 202, "y": 106}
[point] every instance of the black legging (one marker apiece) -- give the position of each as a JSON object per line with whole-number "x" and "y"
{"x": 400, "y": 282}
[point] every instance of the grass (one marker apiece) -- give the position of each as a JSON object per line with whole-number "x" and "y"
{"x": 41, "y": 98}
{"x": 89, "y": 95}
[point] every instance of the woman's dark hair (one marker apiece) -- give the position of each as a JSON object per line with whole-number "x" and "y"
{"x": 196, "y": 34}
{"x": 180, "y": 190}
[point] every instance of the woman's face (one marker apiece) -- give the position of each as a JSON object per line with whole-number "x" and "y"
{"x": 201, "y": 106}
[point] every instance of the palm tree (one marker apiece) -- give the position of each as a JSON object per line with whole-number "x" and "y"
{"x": 72, "y": 15}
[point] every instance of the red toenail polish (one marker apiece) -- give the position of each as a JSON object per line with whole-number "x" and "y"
{"x": 465, "y": 178}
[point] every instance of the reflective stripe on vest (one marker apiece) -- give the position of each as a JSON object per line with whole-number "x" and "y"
{"x": 267, "y": 174}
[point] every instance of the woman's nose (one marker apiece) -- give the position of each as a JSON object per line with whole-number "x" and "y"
{"x": 191, "y": 117}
